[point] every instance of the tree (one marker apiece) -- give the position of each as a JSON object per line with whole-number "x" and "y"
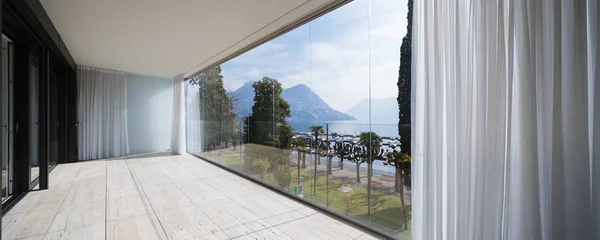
{"x": 316, "y": 130}
{"x": 280, "y": 167}
{"x": 370, "y": 140}
{"x": 267, "y": 124}
{"x": 350, "y": 152}
{"x": 401, "y": 163}
{"x": 216, "y": 108}
{"x": 232, "y": 126}
{"x": 300, "y": 146}
{"x": 343, "y": 151}
{"x": 404, "y": 86}
{"x": 314, "y": 146}
{"x": 328, "y": 151}
{"x": 402, "y": 160}
{"x": 369, "y": 150}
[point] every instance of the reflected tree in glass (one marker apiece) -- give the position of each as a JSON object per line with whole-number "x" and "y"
{"x": 217, "y": 111}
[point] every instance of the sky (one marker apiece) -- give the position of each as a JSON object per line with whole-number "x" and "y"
{"x": 345, "y": 56}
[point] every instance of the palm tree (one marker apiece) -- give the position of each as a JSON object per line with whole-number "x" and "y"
{"x": 370, "y": 150}
{"x": 370, "y": 140}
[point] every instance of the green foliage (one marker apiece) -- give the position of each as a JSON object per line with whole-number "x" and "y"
{"x": 285, "y": 136}
{"x": 315, "y": 142}
{"x": 404, "y": 86}
{"x": 316, "y": 129}
{"x": 282, "y": 175}
{"x": 401, "y": 161}
{"x": 298, "y": 143}
{"x": 217, "y": 111}
{"x": 404, "y": 104}
{"x": 259, "y": 166}
{"x": 370, "y": 140}
{"x": 267, "y": 125}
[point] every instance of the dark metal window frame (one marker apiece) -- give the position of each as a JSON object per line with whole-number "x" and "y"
{"x": 26, "y": 23}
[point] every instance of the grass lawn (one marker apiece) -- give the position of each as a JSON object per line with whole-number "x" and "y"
{"x": 386, "y": 209}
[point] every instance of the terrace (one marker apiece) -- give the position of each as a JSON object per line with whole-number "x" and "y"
{"x": 93, "y": 91}
{"x": 163, "y": 196}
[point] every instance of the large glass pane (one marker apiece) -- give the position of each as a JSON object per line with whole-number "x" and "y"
{"x": 390, "y": 181}
{"x": 315, "y": 114}
{"x": 7, "y": 122}
{"x": 260, "y": 121}
{"x": 53, "y": 124}
{"x": 231, "y": 124}
{"x": 213, "y": 106}
{"x": 340, "y": 81}
{"x": 34, "y": 124}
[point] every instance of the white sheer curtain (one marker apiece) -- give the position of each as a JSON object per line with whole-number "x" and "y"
{"x": 506, "y": 120}
{"x": 193, "y": 123}
{"x": 102, "y": 113}
{"x": 178, "y": 118}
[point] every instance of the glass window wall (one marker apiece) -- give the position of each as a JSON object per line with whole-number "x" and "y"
{"x": 314, "y": 113}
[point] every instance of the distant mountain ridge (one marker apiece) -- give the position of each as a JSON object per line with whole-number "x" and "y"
{"x": 383, "y": 111}
{"x": 305, "y": 105}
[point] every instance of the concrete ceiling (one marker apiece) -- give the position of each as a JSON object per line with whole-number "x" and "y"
{"x": 163, "y": 38}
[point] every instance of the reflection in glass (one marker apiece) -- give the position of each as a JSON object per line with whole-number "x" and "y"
{"x": 34, "y": 125}
{"x": 7, "y": 120}
{"x": 53, "y": 124}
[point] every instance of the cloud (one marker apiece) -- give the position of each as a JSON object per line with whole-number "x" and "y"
{"x": 253, "y": 73}
{"x": 342, "y": 57}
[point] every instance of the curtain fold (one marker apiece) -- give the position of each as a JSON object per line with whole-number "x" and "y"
{"x": 101, "y": 113}
{"x": 178, "y": 117}
{"x": 506, "y": 118}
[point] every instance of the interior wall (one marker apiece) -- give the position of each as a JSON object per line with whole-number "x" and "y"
{"x": 149, "y": 107}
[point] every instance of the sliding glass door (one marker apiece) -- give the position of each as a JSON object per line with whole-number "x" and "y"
{"x": 34, "y": 117}
{"x": 53, "y": 114}
{"x": 7, "y": 118}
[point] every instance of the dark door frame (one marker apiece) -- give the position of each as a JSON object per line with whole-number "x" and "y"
{"x": 26, "y": 23}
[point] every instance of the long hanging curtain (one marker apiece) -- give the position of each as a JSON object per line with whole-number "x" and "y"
{"x": 178, "y": 117}
{"x": 102, "y": 113}
{"x": 506, "y": 120}
{"x": 192, "y": 122}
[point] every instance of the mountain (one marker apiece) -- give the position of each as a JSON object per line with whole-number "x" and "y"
{"x": 305, "y": 105}
{"x": 383, "y": 111}
{"x": 245, "y": 97}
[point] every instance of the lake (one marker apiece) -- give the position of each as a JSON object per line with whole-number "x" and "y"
{"x": 350, "y": 127}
